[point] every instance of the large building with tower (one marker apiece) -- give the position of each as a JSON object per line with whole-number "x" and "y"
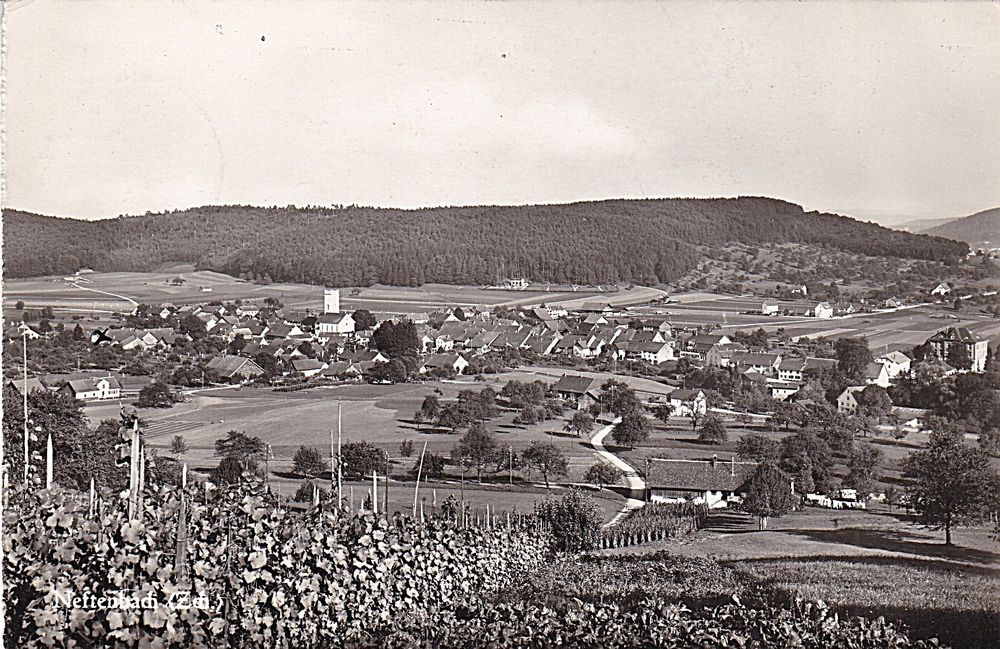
{"x": 331, "y": 300}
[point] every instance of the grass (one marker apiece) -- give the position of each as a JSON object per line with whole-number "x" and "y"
{"x": 863, "y": 563}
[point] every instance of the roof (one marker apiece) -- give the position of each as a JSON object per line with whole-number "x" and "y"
{"x": 956, "y": 334}
{"x": 699, "y": 475}
{"x": 574, "y": 384}
{"x": 306, "y": 364}
{"x": 685, "y": 394}
{"x": 819, "y": 363}
{"x": 229, "y": 365}
{"x": 32, "y": 384}
{"x": 896, "y": 357}
{"x": 89, "y": 385}
{"x": 874, "y": 370}
{"x": 792, "y": 365}
{"x": 442, "y": 360}
{"x": 332, "y": 318}
{"x": 751, "y": 358}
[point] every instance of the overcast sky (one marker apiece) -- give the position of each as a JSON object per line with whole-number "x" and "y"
{"x": 865, "y": 109}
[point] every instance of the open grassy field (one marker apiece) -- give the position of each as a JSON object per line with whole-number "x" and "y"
{"x": 107, "y": 292}
{"x": 380, "y": 414}
{"x": 864, "y": 563}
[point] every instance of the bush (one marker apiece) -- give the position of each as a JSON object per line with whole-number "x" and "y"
{"x": 304, "y": 493}
{"x": 156, "y": 395}
{"x": 574, "y": 521}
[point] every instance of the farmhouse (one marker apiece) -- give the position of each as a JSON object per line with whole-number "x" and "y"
{"x": 877, "y": 374}
{"x": 685, "y": 402}
{"x": 106, "y": 387}
{"x": 847, "y": 401}
{"x": 896, "y": 363}
{"x": 32, "y": 384}
{"x": 656, "y": 353}
{"x": 781, "y": 390}
{"x": 235, "y": 367}
{"x": 941, "y": 289}
{"x": 823, "y": 310}
{"x": 453, "y": 362}
{"x": 770, "y": 307}
{"x": 308, "y": 367}
{"x": 977, "y": 348}
{"x": 581, "y": 391}
{"x": 714, "y": 483}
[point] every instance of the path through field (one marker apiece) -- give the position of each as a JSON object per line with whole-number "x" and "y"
{"x": 636, "y": 484}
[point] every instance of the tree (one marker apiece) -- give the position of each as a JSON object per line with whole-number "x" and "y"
{"x": 306, "y": 490}
{"x": 192, "y": 326}
{"x": 308, "y": 461}
{"x": 229, "y": 471}
{"x": 958, "y": 357}
{"x": 19, "y": 305}
{"x": 663, "y": 412}
{"x": 874, "y": 401}
{"x": 951, "y": 484}
{"x": 547, "y": 459}
{"x": 155, "y": 395}
{"x": 863, "y": 468}
{"x": 574, "y": 521}
{"x": 853, "y": 356}
{"x": 769, "y": 493}
{"x": 78, "y": 334}
{"x": 433, "y": 466}
{"x": 430, "y": 407}
{"x": 631, "y": 430}
{"x": 476, "y": 448}
{"x": 178, "y": 446}
{"x": 406, "y": 446}
{"x": 241, "y": 447}
{"x": 581, "y": 423}
{"x": 364, "y": 320}
{"x": 603, "y": 474}
{"x": 453, "y": 415}
{"x": 618, "y": 398}
{"x": 713, "y": 430}
{"x": 807, "y": 449}
{"x": 397, "y": 339}
{"x": 757, "y": 447}
{"x": 392, "y": 372}
{"x": 360, "y": 459}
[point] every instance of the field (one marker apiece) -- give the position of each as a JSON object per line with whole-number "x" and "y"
{"x": 380, "y": 414}
{"x": 899, "y": 329}
{"x": 863, "y": 563}
{"x": 109, "y": 292}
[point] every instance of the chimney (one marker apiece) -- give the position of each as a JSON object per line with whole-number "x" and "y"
{"x": 715, "y": 460}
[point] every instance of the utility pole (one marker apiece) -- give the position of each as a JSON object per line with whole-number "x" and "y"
{"x": 340, "y": 475}
{"x": 24, "y": 393}
{"x": 510, "y": 463}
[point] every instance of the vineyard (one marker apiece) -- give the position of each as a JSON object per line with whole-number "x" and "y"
{"x": 235, "y": 568}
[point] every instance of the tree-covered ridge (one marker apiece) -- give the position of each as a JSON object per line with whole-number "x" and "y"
{"x": 641, "y": 241}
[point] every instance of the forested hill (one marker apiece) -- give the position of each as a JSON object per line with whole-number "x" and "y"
{"x": 641, "y": 241}
{"x": 981, "y": 227}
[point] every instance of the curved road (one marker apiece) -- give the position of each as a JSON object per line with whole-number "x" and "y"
{"x": 635, "y": 482}
{"x": 94, "y": 290}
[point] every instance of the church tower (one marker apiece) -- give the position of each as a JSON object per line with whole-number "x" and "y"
{"x": 331, "y": 300}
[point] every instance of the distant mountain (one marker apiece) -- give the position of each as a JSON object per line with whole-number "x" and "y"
{"x": 980, "y": 228}
{"x": 922, "y": 225}
{"x": 636, "y": 241}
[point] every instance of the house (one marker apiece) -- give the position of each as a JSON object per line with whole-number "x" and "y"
{"x": 877, "y": 374}
{"x": 656, "y": 353}
{"x": 761, "y": 363}
{"x": 943, "y": 342}
{"x": 895, "y": 362}
{"x": 308, "y": 367}
{"x": 367, "y": 356}
{"x": 235, "y": 367}
{"x": 595, "y": 319}
{"x": 790, "y": 369}
{"x": 781, "y": 390}
{"x": 597, "y": 307}
{"x": 941, "y": 289}
{"x": 32, "y": 384}
{"x": 684, "y": 402}
{"x": 341, "y": 369}
{"x": 910, "y": 418}
{"x": 847, "y": 401}
{"x": 105, "y": 387}
{"x": 770, "y": 307}
{"x": 581, "y": 391}
{"x": 721, "y": 355}
{"x": 21, "y": 330}
{"x": 823, "y": 310}
{"x": 335, "y": 323}
{"x": 248, "y": 310}
{"x": 453, "y": 362}
{"x": 714, "y": 483}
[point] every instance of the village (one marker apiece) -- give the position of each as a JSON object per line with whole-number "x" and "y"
{"x": 745, "y": 376}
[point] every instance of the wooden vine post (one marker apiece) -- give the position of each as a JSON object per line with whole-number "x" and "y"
{"x": 416, "y": 487}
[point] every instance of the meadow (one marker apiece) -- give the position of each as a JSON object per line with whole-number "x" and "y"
{"x": 867, "y": 563}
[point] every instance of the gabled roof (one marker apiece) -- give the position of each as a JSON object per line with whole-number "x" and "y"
{"x": 32, "y": 384}
{"x": 229, "y": 365}
{"x": 685, "y": 394}
{"x": 306, "y": 364}
{"x": 819, "y": 363}
{"x": 895, "y": 357}
{"x": 699, "y": 475}
{"x": 575, "y": 384}
{"x": 89, "y": 385}
{"x": 332, "y": 318}
{"x": 957, "y": 334}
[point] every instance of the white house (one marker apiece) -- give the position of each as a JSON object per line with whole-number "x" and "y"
{"x": 683, "y": 402}
{"x": 823, "y": 310}
{"x": 308, "y": 367}
{"x": 454, "y": 362}
{"x": 770, "y": 307}
{"x": 941, "y": 289}
{"x": 335, "y": 323}
{"x": 656, "y": 353}
{"x": 106, "y": 387}
{"x": 714, "y": 483}
{"x": 896, "y": 363}
{"x": 877, "y": 374}
{"x": 847, "y": 401}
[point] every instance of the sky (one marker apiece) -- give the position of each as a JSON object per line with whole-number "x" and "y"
{"x": 876, "y": 110}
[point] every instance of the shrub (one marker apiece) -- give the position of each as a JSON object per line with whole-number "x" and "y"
{"x": 574, "y": 520}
